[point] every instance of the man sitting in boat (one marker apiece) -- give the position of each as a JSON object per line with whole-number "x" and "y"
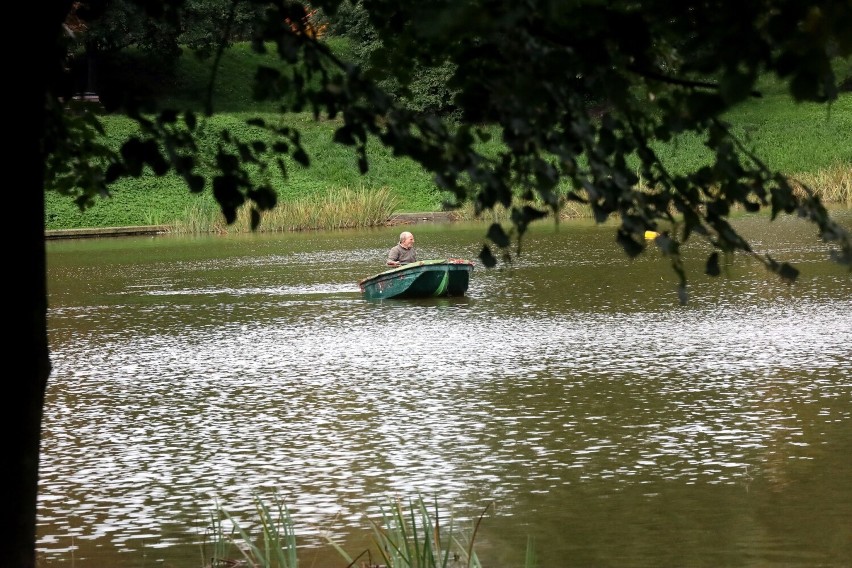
{"x": 403, "y": 252}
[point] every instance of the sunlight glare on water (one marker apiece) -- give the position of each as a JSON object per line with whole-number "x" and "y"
{"x": 193, "y": 377}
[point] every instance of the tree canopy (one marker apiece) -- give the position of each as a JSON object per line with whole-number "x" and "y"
{"x": 578, "y": 92}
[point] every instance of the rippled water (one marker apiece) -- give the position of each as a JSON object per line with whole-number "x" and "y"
{"x": 569, "y": 392}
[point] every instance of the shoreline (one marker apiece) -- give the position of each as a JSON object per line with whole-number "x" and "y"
{"x": 397, "y": 219}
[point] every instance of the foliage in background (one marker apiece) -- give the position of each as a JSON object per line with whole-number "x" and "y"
{"x": 422, "y": 86}
{"x": 818, "y": 148}
{"x": 102, "y": 29}
{"x": 332, "y": 168}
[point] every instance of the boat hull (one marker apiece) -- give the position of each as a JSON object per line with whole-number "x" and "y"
{"x": 423, "y": 279}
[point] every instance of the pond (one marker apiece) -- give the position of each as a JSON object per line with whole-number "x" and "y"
{"x": 568, "y": 395}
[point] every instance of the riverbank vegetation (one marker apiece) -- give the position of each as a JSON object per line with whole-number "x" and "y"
{"x": 415, "y": 534}
{"x": 807, "y": 141}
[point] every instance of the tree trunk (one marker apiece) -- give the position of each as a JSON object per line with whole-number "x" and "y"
{"x": 29, "y": 380}
{"x": 28, "y": 368}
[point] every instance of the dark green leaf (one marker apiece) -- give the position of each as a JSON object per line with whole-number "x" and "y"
{"x": 343, "y": 135}
{"x": 264, "y": 196}
{"x": 630, "y": 246}
{"x": 712, "y": 268}
{"x": 196, "y": 183}
{"x": 301, "y": 157}
{"x": 487, "y": 258}
{"x": 787, "y": 272}
{"x": 498, "y": 236}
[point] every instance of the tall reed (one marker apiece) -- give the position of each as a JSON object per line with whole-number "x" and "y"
{"x": 413, "y": 537}
{"x": 499, "y": 214}
{"x": 339, "y": 208}
{"x": 832, "y": 184}
{"x": 275, "y": 547}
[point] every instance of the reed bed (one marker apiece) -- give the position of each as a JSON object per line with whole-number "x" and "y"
{"x": 340, "y": 208}
{"x": 833, "y": 185}
{"x": 348, "y": 208}
{"x": 412, "y": 535}
{"x": 275, "y": 547}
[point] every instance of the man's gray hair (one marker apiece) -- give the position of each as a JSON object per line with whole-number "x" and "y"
{"x": 404, "y": 235}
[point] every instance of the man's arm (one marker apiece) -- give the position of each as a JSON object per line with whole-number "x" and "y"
{"x": 393, "y": 257}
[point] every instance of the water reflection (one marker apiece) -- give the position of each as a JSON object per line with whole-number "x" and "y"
{"x": 573, "y": 393}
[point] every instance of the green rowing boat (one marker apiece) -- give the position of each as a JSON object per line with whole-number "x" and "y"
{"x": 422, "y": 279}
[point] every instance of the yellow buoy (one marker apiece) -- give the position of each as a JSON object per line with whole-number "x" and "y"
{"x": 651, "y": 235}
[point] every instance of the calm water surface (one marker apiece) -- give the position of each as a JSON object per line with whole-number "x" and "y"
{"x": 569, "y": 393}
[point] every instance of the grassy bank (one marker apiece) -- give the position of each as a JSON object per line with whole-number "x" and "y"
{"x": 807, "y": 141}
